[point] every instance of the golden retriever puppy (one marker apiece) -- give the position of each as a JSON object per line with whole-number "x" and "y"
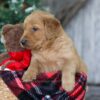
{"x": 52, "y": 49}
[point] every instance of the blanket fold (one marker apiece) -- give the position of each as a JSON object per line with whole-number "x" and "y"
{"x": 47, "y": 86}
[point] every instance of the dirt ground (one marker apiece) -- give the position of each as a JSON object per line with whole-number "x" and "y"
{"x": 5, "y": 93}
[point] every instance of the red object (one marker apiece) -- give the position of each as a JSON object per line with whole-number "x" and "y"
{"x": 21, "y": 60}
{"x": 47, "y": 86}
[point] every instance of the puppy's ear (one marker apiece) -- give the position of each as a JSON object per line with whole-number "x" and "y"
{"x": 52, "y": 27}
{"x": 6, "y": 28}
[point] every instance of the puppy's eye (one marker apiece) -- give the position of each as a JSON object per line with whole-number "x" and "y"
{"x": 34, "y": 29}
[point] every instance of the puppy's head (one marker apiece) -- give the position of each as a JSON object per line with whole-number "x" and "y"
{"x": 39, "y": 28}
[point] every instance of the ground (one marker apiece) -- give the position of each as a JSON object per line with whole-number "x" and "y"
{"x": 93, "y": 93}
{"x": 4, "y": 92}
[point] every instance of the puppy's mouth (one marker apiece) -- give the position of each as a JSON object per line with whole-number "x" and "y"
{"x": 29, "y": 45}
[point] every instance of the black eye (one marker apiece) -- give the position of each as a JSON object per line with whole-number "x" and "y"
{"x": 34, "y": 29}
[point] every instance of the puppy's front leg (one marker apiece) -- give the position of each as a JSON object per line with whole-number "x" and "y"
{"x": 31, "y": 72}
{"x": 68, "y": 77}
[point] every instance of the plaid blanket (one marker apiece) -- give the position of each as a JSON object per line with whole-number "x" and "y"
{"x": 46, "y": 87}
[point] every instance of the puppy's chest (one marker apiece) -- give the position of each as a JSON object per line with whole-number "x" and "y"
{"x": 49, "y": 62}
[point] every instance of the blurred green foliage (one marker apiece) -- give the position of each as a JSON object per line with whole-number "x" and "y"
{"x": 14, "y": 11}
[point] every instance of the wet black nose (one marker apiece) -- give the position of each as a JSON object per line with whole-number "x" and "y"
{"x": 23, "y": 42}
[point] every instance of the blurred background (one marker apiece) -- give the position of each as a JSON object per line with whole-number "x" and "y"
{"x": 80, "y": 19}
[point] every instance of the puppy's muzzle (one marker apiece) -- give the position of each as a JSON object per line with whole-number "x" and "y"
{"x": 23, "y": 42}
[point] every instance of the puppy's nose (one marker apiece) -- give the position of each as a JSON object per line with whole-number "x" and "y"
{"x": 23, "y": 41}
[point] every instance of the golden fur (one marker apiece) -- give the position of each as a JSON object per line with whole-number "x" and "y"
{"x": 52, "y": 49}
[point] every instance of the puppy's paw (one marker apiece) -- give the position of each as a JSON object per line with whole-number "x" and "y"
{"x": 68, "y": 86}
{"x": 28, "y": 77}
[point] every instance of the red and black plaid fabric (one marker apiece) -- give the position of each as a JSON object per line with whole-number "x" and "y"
{"x": 46, "y": 87}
